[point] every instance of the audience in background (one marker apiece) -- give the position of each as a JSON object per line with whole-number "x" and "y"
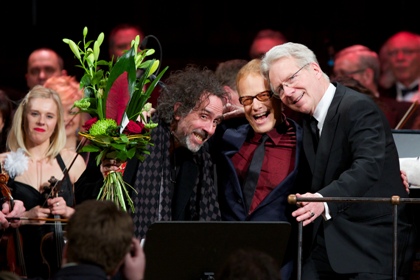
{"x": 42, "y": 64}
{"x": 6, "y": 115}
{"x": 403, "y": 50}
{"x": 359, "y": 63}
{"x": 386, "y": 77}
{"x": 264, "y": 40}
{"x": 226, "y": 72}
{"x": 362, "y": 64}
{"x": 120, "y": 38}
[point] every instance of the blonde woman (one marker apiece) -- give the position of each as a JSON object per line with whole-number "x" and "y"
{"x": 37, "y": 142}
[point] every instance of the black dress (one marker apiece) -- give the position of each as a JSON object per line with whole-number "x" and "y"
{"x": 32, "y": 234}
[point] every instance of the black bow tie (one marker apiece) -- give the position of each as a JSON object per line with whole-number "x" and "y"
{"x": 409, "y": 90}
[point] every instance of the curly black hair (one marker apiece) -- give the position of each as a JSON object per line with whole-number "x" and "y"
{"x": 187, "y": 87}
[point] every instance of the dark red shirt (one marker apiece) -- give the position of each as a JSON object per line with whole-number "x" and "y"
{"x": 279, "y": 160}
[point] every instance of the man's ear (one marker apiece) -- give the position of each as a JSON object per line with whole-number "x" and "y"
{"x": 176, "y": 115}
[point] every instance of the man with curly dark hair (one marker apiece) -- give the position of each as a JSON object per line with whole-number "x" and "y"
{"x": 177, "y": 181}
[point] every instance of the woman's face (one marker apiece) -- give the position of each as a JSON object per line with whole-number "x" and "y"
{"x": 41, "y": 117}
{"x": 71, "y": 120}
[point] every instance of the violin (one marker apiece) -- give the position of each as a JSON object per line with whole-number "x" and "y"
{"x": 52, "y": 243}
{"x": 11, "y": 241}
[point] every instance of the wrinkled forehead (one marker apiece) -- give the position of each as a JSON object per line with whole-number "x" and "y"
{"x": 211, "y": 103}
{"x": 282, "y": 68}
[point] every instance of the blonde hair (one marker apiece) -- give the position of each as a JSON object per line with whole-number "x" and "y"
{"x": 17, "y": 134}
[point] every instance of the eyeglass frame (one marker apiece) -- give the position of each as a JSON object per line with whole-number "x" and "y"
{"x": 280, "y": 88}
{"x": 244, "y": 99}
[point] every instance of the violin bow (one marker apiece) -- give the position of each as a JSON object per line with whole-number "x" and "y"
{"x": 66, "y": 170}
{"x": 407, "y": 115}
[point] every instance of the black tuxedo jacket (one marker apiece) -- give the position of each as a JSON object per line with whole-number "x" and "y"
{"x": 357, "y": 157}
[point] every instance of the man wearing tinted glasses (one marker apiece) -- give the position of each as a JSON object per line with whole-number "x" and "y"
{"x": 267, "y": 200}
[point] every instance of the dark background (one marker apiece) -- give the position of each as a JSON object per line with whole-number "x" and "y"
{"x": 201, "y": 32}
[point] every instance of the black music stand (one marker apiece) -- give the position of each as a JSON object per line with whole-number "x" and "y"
{"x": 196, "y": 250}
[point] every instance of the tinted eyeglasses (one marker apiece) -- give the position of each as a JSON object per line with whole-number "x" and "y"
{"x": 262, "y": 96}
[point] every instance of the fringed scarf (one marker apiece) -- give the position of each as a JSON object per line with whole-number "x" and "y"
{"x": 155, "y": 188}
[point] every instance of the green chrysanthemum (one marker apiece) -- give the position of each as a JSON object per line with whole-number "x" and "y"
{"x": 103, "y": 127}
{"x": 82, "y": 104}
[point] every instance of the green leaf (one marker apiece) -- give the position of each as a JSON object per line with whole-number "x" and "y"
{"x": 90, "y": 148}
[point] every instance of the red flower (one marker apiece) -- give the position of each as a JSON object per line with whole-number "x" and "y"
{"x": 88, "y": 124}
{"x": 134, "y": 127}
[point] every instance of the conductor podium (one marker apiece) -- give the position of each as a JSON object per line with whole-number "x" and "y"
{"x": 196, "y": 250}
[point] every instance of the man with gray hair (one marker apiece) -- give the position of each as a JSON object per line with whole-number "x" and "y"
{"x": 351, "y": 153}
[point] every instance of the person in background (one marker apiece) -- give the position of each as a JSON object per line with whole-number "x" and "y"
{"x": 68, "y": 88}
{"x": 176, "y": 181}
{"x": 6, "y": 116}
{"x": 362, "y": 64}
{"x": 120, "y": 38}
{"x": 386, "y": 78}
{"x": 264, "y": 40}
{"x": 356, "y": 157}
{"x": 403, "y": 50}
{"x": 226, "y": 72}
{"x": 119, "y": 41}
{"x": 43, "y": 63}
{"x": 38, "y": 133}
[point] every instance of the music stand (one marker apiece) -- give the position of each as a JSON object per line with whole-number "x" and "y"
{"x": 407, "y": 142}
{"x": 194, "y": 250}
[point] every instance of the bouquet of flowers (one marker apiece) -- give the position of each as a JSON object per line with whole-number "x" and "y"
{"x": 116, "y": 98}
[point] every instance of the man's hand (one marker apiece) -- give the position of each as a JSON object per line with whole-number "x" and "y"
{"x": 134, "y": 262}
{"x": 233, "y": 111}
{"x": 404, "y": 178}
{"x": 308, "y": 211}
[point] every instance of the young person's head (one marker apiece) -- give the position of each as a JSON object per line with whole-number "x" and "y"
{"x": 98, "y": 233}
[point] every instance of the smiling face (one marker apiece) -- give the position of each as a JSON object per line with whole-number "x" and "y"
{"x": 41, "y": 121}
{"x": 303, "y": 90}
{"x": 261, "y": 115}
{"x": 200, "y": 124}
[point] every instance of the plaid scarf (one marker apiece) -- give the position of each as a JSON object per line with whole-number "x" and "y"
{"x": 153, "y": 202}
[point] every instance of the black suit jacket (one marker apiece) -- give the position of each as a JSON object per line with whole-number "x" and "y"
{"x": 357, "y": 157}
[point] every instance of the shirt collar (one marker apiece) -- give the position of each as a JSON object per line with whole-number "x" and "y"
{"x": 321, "y": 109}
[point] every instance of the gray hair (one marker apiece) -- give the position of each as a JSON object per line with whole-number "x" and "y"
{"x": 300, "y": 53}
